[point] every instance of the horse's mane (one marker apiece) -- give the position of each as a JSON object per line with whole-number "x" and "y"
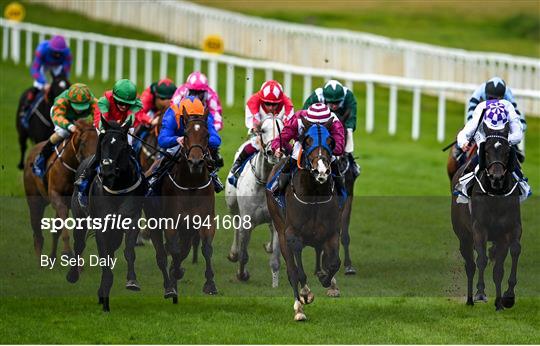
{"x": 83, "y": 124}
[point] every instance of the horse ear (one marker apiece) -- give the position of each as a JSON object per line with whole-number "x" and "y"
{"x": 328, "y": 124}
{"x": 127, "y": 125}
{"x": 105, "y": 123}
{"x": 305, "y": 122}
{"x": 184, "y": 112}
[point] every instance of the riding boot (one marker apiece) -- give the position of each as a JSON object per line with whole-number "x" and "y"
{"x": 155, "y": 177}
{"x": 84, "y": 180}
{"x": 238, "y": 163}
{"x": 285, "y": 176}
{"x": 216, "y": 157}
{"x": 40, "y": 162}
{"x": 218, "y": 185}
{"x": 339, "y": 178}
{"x": 25, "y": 106}
{"x": 354, "y": 166}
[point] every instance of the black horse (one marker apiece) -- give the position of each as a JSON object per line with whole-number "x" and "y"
{"x": 40, "y": 126}
{"x": 312, "y": 215}
{"x": 117, "y": 191}
{"x": 492, "y": 214}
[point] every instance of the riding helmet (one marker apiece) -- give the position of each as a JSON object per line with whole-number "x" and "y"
{"x": 495, "y": 88}
{"x": 333, "y": 91}
{"x": 79, "y": 97}
{"x": 125, "y": 91}
{"x": 164, "y": 89}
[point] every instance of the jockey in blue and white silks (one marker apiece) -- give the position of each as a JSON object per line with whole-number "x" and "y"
{"x": 495, "y": 88}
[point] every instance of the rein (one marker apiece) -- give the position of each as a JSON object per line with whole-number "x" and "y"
{"x": 60, "y": 153}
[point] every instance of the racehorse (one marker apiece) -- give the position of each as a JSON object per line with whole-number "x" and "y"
{"x": 345, "y": 167}
{"x": 492, "y": 214}
{"x": 248, "y": 200}
{"x": 187, "y": 195}
{"x": 40, "y": 126}
{"x": 57, "y": 185}
{"x": 148, "y": 155}
{"x": 312, "y": 214}
{"x": 117, "y": 190}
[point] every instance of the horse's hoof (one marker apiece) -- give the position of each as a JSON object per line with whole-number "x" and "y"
{"x": 480, "y": 297}
{"x": 268, "y": 247}
{"x": 470, "y": 301}
{"x": 349, "y": 270}
{"x": 508, "y": 301}
{"x": 307, "y": 298}
{"x": 106, "y": 309}
{"x": 20, "y": 166}
{"x": 175, "y": 300}
{"x": 100, "y": 300}
{"x": 170, "y": 293}
{"x": 233, "y": 257}
{"x": 210, "y": 288}
{"x": 133, "y": 285}
{"x": 73, "y": 275}
{"x": 499, "y": 304}
{"x": 333, "y": 292}
{"x": 300, "y": 317}
{"x": 243, "y": 276}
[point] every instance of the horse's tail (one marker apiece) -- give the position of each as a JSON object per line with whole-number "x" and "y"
{"x": 491, "y": 251}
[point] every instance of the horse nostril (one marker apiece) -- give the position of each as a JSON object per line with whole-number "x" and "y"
{"x": 327, "y": 172}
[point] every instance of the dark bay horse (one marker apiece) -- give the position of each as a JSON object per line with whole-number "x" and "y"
{"x": 187, "y": 195}
{"x": 492, "y": 214}
{"x": 312, "y": 215}
{"x": 40, "y": 126}
{"x": 117, "y": 190}
{"x": 148, "y": 155}
{"x": 57, "y": 185}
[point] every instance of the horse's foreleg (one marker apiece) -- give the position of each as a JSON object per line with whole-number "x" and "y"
{"x": 466, "y": 249}
{"x": 23, "y": 138}
{"x": 195, "y": 247}
{"x": 161, "y": 259}
{"x": 37, "y": 205}
{"x": 318, "y": 252}
{"x": 346, "y": 238}
{"x": 274, "y": 258}
{"x": 62, "y": 211}
{"x": 79, "y": 243}
{"x": 292, "y": 275}
{"x": 207, "y": 235}
{"x": 243, "y": 256}
{"x": 481, "y": 262}
{"x": 106, "y": 272}
{"x": 129, "y": 255}
{"x": 330, "y": 260}
{"x": 509, "y": 296}
{"x": 268, "y": 245}
{"x": 501, "y": 250}
{"x": 233, "y": 253}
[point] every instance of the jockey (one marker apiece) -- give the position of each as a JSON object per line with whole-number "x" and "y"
{"x": 316, "y": 113}
{"x": 496, "y": 114}
{"x": 52, "y": 55}
{"x": 495, "y": 88}
{"x": 120, "y": 105}
{"x": 269, "y": 101}
{"x": 171, "y": 136}
{"x": 342, "y": 103}
{"x": 197, "y": 85}
{"x": 75, "y": 103}
{"x": 157, "y": 97}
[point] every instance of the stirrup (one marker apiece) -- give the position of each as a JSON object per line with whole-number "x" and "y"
{"x": 218, "y": 185}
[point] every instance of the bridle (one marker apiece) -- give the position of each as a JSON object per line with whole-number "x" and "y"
{"x": 185, "y": 151}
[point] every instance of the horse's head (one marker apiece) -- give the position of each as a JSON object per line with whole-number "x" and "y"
{"x": 58, "y": 85}
{"x": 317, "y": 148}
{"x": 84, "y": 139}
{"x": 267, "y": 130}
{"x": 497, "y": 155}
{"x": 114, "y": 149}
{"x": 195, "y": 149}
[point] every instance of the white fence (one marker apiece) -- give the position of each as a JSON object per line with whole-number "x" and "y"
{"x": 11, "y": 48}
{"x": 187, "y": 23}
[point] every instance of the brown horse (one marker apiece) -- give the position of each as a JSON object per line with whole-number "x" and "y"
{"x": 148, "y": 155}
{"x": 492, "y": 214}
{"x": 457, "y": 158}
{"x": 187, "y": 195}
{"x": 57, "y": 185}
{"x": 312, "y": 216}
